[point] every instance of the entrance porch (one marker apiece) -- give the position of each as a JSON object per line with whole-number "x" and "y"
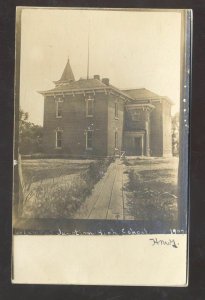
{"x": 135, "y": 143}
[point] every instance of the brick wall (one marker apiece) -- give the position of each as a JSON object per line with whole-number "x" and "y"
{"x": 115, "y": 124}
{"x": 136, "y": 125}
{"x": 74, "y": 124}
{"x": 160, "y": 129}
{"x": 156, "y": 129}
{"x": 104, "y": 124}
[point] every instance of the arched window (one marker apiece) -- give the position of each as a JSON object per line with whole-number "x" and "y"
{"x": 89, "y": 139}
{"x": 136, "y": 116}
{"x": 89, "y": 106}
{"x": 116, "y": 110}
{"x": 59, "y": 108}
{"x": 116, "y": 140}
{"x": 59, "y": 138}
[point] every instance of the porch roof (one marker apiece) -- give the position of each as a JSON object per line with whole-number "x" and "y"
{"x": 132, "y": 106}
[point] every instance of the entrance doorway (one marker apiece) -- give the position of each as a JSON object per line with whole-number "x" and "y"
{"x": 138, "y": 146}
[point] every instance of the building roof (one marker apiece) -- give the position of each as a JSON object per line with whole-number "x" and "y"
{"x": 141, "y": 94}
{"x": 144, "y": 94}
{"x": 78, "y": 85}
{"x": 67, "y": 75}
{"x": 84, "y": 85}
{"x": 68, "y": 84}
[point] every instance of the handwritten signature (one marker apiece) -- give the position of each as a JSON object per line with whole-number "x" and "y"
{"x": 169, "y": 242}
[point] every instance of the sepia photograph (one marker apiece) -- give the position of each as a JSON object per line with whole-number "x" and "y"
{"x": 99, "y": 138}
{"x": 101, "y": 146}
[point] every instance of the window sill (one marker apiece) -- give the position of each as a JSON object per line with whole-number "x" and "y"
{"x": 116, "y": 118}
{"x": 58, "y": 148}
{"x": 89, "y": 149}
{"x": 89, "y": 116}
{"x": 58, "y": 117}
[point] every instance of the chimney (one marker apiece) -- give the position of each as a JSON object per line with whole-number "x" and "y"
{"x": 97, "y": 77}
{"x": 105, "y": 81}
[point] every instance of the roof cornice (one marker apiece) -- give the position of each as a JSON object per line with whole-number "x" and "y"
{"x": 133, "y": 106}
{"x": 105, "y": 89}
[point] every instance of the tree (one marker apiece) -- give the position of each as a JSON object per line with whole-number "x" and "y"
{"x": 30, "y": 135}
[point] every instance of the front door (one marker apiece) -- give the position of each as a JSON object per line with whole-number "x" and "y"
{"x": 138, "y": 146}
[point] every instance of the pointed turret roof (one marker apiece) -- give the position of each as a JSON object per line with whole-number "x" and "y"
{"x": 67, "y": 75}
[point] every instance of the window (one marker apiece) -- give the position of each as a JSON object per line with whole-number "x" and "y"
{"x": 59, "y": 110}
{"x": 59, "y": 139}
{"x": 136, "y": 116}
{"x": 89, "y": 139}
{"x": 116, "y": 110}
{"x": 89, "y": 107}
{"x": 116, "y": 140}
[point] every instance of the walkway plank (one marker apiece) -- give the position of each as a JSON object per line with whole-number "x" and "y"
{"x": 100, "y": 209}
{"x": 86, "y": 208}
{"x": 115, "y": 210}
{"x": 106, "y": 200}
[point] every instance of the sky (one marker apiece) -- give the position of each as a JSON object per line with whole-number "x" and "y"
{"x": 134, "y": 49}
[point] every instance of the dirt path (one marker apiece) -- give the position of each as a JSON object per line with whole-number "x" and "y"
{"x": 107, "y": 200}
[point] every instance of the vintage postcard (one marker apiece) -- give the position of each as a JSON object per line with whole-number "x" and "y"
{"x": 101, "y": 146}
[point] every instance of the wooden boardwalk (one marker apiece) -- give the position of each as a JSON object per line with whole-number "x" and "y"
{"x": 108, "y": 199}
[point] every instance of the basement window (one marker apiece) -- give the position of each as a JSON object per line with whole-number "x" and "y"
{"x": 59, "y": 134}
{"x": 59, "y": 109}
{"x": 89, "y": 140}
{"x": 89, "y": 107}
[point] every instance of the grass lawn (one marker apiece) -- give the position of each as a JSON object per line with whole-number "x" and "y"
{"x": 56, "y": 188}
{"x": 152, "y": 188}
{"x": 41, "y": 169}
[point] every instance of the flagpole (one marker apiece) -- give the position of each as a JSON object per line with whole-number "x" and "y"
{"x": 88, "y": 61}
